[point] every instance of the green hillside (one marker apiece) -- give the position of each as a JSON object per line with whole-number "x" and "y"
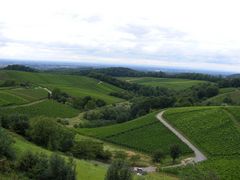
{"x": 20, "y": 96}
{"x": 85, "y": 169}
{"x": 231, "y": 97}
{"x": 47, "y": 108}
{"x": 77, "y": 86}
{"x": 171, "y": 83}
{"x": 216, "y": 131}
{"x": 144, "y": 134}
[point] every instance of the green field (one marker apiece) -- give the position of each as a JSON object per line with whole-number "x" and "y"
{"x": 20, "y": 96}
{"x": 171, "y": 83}
{"x": 143, "y": 134}
{"x": 216, "y": 131}
{"x": 233, "y": 95}
{"x": 47, "y": 108}
{"x": 77, "y": 86}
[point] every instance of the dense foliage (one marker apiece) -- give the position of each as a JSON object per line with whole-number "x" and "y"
{"x": 41, "y": 167}
{"x": 119, "y": 170}
{"x": 17, "y": 67}
{"x": 87, "y": 149}
{"x": 48, "y": 133}
{"x": 6, "y": 149}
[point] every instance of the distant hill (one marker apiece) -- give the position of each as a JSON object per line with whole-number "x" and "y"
{"x": 18, "y": 67}
{"x": 234, "y": 76}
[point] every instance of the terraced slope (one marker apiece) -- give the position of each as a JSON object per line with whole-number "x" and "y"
{"x": 171, "y": 83}
{"x": 143, "y": 134}
{"x": 74, "y": 85}
{"x": 216, "y": 131}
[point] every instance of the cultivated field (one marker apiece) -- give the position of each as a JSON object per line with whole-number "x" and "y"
{"x": 77, "y": 86}
{"x": 47, "y": 108}
{"x": 20, "y": 96}
{"x": 145, "y": 134}
{"x": 216, "y": 131}
{"x": 171, "y": 83}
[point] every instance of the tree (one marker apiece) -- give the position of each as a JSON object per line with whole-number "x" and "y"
{"x": 19, "y": 123}
{"x": 6, "y": 149}
{"x": 119, "y": 170}
{"x": 59, "y": 169}
{"x": 48, "y": 133}
{"x": 175, "y": 152}
{"x": 158, "y": 156}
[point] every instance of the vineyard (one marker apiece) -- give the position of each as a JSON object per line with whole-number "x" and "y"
{"x": 46, "y": 108}
{"x": 20, "y": 96}
{"x": 77, "y": 86}
{"x": 215, "y": 130}
{"x": 147, "y": 135}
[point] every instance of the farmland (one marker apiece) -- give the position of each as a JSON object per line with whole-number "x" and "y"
{"x": 77, "y": 86}
{"x": 19, "y": 96}
{"x": 47, "y": 108}
{"x": 140, "y": 130}
{"x": 171, "y": 83}
{"x": 215, "y": 130}
{"x": 231, "y": 96}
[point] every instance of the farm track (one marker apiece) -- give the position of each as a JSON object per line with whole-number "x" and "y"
{"x": 199, "y": 156}
{"x": 24, "y": 105}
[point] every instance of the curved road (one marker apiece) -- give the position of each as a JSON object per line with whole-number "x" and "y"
{"x": 199, "y": 156}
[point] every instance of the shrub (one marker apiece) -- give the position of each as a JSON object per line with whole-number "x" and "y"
{"x": 158, "y": 156}
{"x": 6, "y": 149}
{"x": 119, "y": 170}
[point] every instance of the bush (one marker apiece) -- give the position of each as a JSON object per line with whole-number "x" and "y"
{"x": 6, "y": 149}
{"x": 88, "y": 149}
{"x": 119, "y": 170}
{"x": 158, "y": 156}
{"x": 40, "y": 166}
{"x": 48, "y": 133}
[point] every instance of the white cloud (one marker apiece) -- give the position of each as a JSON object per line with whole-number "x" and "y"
{"x": 184, "y": 33}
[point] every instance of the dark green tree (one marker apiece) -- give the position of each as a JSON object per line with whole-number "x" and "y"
{"x": 119, "y": 170}
{"x": 175, "y": 152}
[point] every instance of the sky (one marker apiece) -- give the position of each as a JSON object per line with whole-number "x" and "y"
{"x": 194, "y": 34}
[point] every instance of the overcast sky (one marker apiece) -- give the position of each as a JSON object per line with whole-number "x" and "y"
{"x": 202, "y": 34}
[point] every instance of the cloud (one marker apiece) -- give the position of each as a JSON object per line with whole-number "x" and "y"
{"x": 153, "y": 32}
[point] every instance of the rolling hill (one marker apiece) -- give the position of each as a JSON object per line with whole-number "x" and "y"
{"x": 77, "y": 86}
{"x": 171, "y": 83}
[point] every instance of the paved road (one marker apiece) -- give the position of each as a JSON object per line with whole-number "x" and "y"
{"x": 199, "y": 156}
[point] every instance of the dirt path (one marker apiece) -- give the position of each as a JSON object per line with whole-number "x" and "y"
{"x": 199, "y": 156}
{"x": 24, "y": 105}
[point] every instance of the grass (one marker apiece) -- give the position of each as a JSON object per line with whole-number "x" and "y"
{"x": 77, "y": 86}
{"x": 143, "y": 134}
{"x": 171, "y": 83}
{"x": 20, "y": 96}
{"x": 85, "y": 169}
{"x": 47, "y": 108}
{"x": 233, "y": 95}
{"x": 216, "y": 131}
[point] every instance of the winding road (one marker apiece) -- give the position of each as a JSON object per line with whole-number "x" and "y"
{"x": 199, "y": 156}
